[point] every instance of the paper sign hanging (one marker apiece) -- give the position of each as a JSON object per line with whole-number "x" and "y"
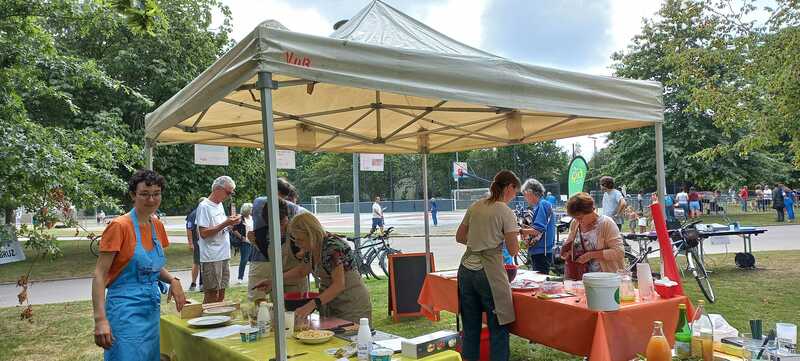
{"x": 576, "y": 175}
{"x": 371, "y": 162}
{"x": 285, "y": 159}
{"x": 10, "y": 248}
{"x": 210, "y": 154}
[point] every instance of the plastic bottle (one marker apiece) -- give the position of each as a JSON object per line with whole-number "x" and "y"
{"x": 364, "y": 339}
{"x": 702, "y": 334}
{"x": 658, "y": 347}
{"x": 263, "y": 319}
{"x": 683, "y": 334}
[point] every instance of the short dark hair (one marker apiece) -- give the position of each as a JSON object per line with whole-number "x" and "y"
{"x": 579, "y": 204}
{"x": 607, "y": 182}
{"x": 283, "y": 210}
{"x": 286, "y": 189}
{"x": 149, "y": 178}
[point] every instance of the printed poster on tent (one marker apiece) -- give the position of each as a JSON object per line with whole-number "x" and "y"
{"x": 459, "y": 169}
{"x": 210, "y": 154}
{"x": 371, "y": 162}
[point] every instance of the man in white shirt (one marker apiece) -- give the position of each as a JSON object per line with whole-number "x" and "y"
{"x": 377, "y": 215}
{"x": 613, "y": 201}
{"x": 215, "y": 245}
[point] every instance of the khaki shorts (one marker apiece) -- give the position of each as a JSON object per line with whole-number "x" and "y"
{"x": 216, "y": 275}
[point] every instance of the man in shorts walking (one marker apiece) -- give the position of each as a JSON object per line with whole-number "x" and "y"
{"x": 215, "y": 244}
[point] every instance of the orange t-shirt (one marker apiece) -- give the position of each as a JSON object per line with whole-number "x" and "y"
{"x": 120, "y": 237}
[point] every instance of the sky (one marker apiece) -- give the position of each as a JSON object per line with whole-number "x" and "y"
{"x": 578, "y": 35}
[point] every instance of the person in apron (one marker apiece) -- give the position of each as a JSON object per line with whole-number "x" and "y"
{"x": 342, "y": 291}
{"x": 127, "y": 315}
{"x": 482, "y": 280}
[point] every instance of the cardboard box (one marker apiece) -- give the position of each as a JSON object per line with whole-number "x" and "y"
{"x": 430, "y": 344}
{"x": 193, "y": 309}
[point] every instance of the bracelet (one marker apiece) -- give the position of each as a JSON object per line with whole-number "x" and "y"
{"x": 318, "y": 304}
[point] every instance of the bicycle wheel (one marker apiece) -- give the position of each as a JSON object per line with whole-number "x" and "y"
{"x": 522, "y": 258}
{"x": 383, "y": 258}
{"x": 94, "y": 247}
{"x": 699, "y": 272}
{"x": 369, "y": 258}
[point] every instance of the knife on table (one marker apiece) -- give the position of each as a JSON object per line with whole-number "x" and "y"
{"x": 290, "y": 356}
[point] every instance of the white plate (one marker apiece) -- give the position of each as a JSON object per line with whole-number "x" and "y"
{"x": 209, "y": 321}
{"x": 219, "y": 311}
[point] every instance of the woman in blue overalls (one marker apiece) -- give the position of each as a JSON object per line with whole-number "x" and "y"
{"x": 127, "y": 315}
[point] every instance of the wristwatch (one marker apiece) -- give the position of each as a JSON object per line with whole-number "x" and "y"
{"x": 318, "y": 304}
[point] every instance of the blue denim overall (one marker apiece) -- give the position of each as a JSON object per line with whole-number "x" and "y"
{"x": 133, "y": 303}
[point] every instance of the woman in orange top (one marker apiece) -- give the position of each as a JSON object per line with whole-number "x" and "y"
{"x": 131, "y": 263}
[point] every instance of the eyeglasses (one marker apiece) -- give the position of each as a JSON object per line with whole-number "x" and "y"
{"x": 149, "y": 195}
{"x": 231, "y": 193}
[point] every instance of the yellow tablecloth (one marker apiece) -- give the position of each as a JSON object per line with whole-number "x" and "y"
{"x": 178, "y": 343}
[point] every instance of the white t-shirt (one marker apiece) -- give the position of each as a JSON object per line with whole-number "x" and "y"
{"x": 768, "y": 194}
{"x": 377, "y": 211}
{"x": 682, "y": 198}
{"x": 248, "y": 223}
{"x": 642, "y": 222}
{"x": 218, "y": 246}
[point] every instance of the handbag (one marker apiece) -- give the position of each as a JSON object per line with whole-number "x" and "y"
{"x": 573, "y": 269}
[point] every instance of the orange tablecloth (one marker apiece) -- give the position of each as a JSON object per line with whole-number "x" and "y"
{"x": 566, "y": 325}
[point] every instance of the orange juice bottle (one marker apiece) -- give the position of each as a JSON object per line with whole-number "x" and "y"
{"x": 658, "y": 348}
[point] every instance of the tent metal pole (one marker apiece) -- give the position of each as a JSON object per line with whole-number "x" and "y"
{"x": 148, "y": 154}
{"x": 661, "y": 181}
{"x": 356, "y": 203}
{"x": 266, "y": 86}
{"x": 426, "y": 202}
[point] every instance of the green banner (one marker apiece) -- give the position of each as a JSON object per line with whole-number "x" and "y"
{"x": 577, "y": 175}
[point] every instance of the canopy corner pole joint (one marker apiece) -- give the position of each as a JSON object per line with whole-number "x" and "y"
{"x": 266, "y": 85}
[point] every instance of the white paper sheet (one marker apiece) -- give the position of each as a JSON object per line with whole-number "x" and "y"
{"x": 221, "y": 332}
{"x": 393, "y": 344}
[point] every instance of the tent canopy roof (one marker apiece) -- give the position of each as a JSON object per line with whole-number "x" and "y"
{"x": 386, "y": 83}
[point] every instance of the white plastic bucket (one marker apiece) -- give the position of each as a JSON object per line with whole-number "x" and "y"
{"x": 602, "y": 290}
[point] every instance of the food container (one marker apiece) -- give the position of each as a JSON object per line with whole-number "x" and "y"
{"x": 602, "y": 291}
{"x": 249, "y": 334}
{"x": 381, "y": 354}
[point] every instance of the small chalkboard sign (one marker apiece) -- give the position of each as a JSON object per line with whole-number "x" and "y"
{"x": 406, "y": 276}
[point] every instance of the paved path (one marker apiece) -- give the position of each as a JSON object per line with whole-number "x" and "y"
{"x": 446, "y": 253}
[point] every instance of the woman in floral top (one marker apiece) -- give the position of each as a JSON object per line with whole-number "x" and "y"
{"x": 342, "y": 291}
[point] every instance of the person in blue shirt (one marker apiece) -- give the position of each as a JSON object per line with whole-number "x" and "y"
{"x": 541, "y": 236}
{"x": 669, "y": 207}
{"x": 551, "y": 199}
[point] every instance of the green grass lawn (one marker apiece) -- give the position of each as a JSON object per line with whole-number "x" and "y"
{"x": 78, "y": 261}
{"x": 770, "y": 293}
{"x": 734, "y": 213}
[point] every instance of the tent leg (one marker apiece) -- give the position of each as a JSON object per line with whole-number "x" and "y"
{"x": 661, "y": 182}
{"x": 356, "y": 199}
{"x": 426, "y": 202}
{"x": 266, "y": 85}
{"x": 148, "y": 154}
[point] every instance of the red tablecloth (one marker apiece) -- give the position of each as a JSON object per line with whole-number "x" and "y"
{"x": 567, "y": 325}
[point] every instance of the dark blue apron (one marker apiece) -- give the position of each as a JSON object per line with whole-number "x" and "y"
{"x": 133, "y": 303}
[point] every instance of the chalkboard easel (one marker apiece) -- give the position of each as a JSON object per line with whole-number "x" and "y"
{"x": 406, "y": 276}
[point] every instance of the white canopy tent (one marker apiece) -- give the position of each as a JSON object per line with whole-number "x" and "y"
{"x": 386, "y": 83}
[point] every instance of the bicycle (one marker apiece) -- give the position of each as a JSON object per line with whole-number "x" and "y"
{"x": 94, "y": 246}
{"x": 686, "y": 241}
{"x": 375, "y": 248}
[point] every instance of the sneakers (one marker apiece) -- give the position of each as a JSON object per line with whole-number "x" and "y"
{"x": 239, "y": 281}
{"x": 192, "y": 287}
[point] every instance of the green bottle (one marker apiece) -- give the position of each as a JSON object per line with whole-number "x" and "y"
{"x": 683, "y": 334}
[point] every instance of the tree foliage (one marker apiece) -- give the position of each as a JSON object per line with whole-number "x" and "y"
{"x": 691, "y": 50}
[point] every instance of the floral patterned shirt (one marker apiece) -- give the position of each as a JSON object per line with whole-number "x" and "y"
{"x": 335, "y": 252}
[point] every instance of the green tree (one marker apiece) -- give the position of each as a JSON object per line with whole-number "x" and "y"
{"x": 666, "y": 51}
